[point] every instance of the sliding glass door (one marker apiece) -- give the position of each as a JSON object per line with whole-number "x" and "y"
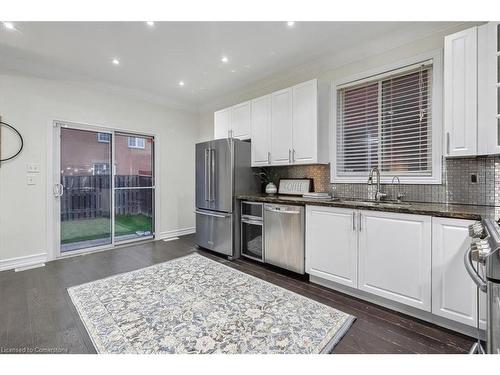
{"x": 85, "y": 190}
{"x": 134, "y": 187}
{"x": 105, "y": 193}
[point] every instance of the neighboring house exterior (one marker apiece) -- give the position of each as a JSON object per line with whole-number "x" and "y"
{"x": 85, "y": 153}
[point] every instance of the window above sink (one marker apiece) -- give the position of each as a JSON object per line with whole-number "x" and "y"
{"x": 389, "y": 118}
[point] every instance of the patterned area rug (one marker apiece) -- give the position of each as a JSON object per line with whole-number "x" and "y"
{"x": 196, "y": 305}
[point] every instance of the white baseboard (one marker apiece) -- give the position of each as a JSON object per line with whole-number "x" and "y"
{"x": 176, "y": 233}
{"x": 23, "y": 262}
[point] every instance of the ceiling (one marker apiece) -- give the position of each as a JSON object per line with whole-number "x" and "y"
{"x": 154, "y": 59}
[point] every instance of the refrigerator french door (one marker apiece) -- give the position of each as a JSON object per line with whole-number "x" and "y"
{"x": 222, "y": 170}
{"x": 214, "y": 177}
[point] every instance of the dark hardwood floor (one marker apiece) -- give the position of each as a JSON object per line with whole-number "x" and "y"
{"x": 36, "y": 313}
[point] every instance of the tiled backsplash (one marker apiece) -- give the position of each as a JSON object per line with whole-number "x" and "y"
{"x": 457, "y": 186}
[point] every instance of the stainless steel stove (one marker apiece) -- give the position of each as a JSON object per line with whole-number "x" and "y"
{"x": 485, "y": 250}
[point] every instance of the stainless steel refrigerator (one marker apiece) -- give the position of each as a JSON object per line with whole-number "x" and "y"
{"x": 222, "y": 171}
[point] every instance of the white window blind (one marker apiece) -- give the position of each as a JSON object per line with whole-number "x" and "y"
{"x": 386, "y": 122}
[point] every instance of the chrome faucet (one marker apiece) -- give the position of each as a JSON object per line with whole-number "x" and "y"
{"x": 399, "y": 195}
{"x": 378, "y": 195}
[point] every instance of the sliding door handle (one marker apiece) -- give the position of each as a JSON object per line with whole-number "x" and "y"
{"x": 58, "y": 190}
{"x": 354, "y": 221}
{"x": 448, "y": 143}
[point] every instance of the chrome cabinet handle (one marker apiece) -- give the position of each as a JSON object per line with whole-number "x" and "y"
{"x": 268, "y": 157}
{"x": 448, "y": 143}
{"x": 354, "y": 221}
{"x": 289, "y": 155}
{"x": 293, "y": 155}
{"x": 360, "y": 220}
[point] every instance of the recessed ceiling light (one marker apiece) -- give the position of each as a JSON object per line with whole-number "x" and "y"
{"x": 181, "y": 83}
{"x": 150, "y": 23}
{"x": 290, "y": 23}
{"x": 115, "y": 61}
{"x": 224, "y": 59}
{"x": 8, "y": 25}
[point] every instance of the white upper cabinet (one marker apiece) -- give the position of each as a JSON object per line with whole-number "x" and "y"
{"x": 281, "y": 127}
{"x": 261, "y": 131}
{"x": 460, "y": 93}
{"x": 395, "y": 257}
{"x": 222, "y": 120}
{"x": 240, "y": 120}
{"x": 233, "y": 122}
{"x": 488, "y": 96}
{"x": 453, "y": 291}
{"x": 305, "y": 123}
{"x": 331, "y": 244}
{"x": 472, "y": 91}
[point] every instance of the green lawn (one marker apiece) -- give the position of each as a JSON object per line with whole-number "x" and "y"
{"x": 92, "y": 229}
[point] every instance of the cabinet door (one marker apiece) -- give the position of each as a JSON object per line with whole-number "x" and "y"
{"x": 281, "y": 127}
{"x": 488, "y": 88}
{"x": 222, "y": 119}
{"x": 261, "y": 131}
{"x": 395, "y": 257}
{"x": 331, "y": 244}
{"x": 240, "y": 121}
{"x": 460, "y": 93}
{"x": 304, "y": 122}
{"x": 453, "y": 291}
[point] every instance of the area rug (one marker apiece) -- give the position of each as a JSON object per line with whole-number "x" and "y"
{"x": 197, "y": 305}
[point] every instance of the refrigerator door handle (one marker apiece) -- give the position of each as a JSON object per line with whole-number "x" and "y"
{"x": 206, "y": 176}
{"x": 211, "y": 214}
{"x": 212, "y": 175}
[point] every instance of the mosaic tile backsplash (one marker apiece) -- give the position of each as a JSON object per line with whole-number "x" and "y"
{"x": 457, "y": 186}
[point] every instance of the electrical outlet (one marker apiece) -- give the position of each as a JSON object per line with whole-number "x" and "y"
{"x": 30, "y": 180}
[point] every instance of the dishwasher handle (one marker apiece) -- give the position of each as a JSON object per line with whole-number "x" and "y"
{"x": 283, "y": 210}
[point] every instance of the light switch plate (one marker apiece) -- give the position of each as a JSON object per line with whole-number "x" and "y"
{"x": 33, "y": 168}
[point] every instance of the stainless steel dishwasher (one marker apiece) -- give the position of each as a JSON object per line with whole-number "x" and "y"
{"x": 284, "y": 236}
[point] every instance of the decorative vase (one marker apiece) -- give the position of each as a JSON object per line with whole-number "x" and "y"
{"x": 271, "y": 188}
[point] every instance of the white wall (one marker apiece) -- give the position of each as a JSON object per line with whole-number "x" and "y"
{"x": 31, "y": 104}
{"x": 358, "y": 59}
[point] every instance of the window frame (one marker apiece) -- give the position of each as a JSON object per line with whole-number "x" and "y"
{"x": 436, "y": 125}
{"x": 103, "y": 140}
{"x": 135, "y": 145}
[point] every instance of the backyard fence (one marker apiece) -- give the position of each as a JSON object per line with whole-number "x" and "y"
{"x": 88, "y": 197}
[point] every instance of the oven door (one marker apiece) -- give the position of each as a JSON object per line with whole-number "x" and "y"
{"x": 252, "y": 239}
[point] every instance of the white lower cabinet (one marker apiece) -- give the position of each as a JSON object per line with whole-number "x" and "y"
{"x": 415, "y": 260}
{"x": 395, "y": 257}
{"x": 453, "y": 291}
{"x": 332, "y": 244}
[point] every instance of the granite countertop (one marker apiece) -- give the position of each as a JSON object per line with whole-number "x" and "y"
{"x": 456, "y": 211}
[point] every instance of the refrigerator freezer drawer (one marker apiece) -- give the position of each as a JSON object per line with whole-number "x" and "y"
{"x": 214, "y": 231}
